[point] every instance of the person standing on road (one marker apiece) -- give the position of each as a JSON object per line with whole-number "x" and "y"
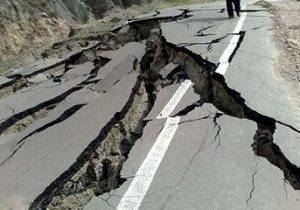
{"x": 237, "y": 7}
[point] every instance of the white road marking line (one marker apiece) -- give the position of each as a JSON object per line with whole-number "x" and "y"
{"x": 240, "y": 24}
{"x": 224, "y": 59}
{"x": 143, "y": 179}
{"x": 171, "y": 105}
{"x": 222, "y": 68}
{"x": 227, "y": 53}
{"x": 137, "y": 190}
{"x": 234, "y": 39}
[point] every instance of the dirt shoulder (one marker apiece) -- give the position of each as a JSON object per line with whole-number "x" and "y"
{"x": 286, "y": 35}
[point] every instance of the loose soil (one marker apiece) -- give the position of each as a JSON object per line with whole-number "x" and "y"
{"x": 286, "y": 35}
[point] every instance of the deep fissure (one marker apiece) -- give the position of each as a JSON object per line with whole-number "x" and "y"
{"x": 97, "y": 169}
{"x": 212, "y": 88}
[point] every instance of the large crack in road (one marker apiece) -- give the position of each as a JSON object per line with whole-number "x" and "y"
{"x": 210, "y": 86}
{"x": 213, "y": 89}
{"x": 97, "y": 169}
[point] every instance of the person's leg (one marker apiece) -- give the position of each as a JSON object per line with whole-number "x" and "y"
{"x": 229, "y": 8}
{"x": 237, "y": 6}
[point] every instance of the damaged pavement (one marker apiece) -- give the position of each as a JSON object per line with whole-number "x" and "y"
{"x": 76, "y": 128}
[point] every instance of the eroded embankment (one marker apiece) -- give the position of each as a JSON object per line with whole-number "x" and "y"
{"x": 97, "y": 169}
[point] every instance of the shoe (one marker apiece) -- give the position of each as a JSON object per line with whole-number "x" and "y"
{"x": 238, "y": 14}
{"x": 231, "y": 16}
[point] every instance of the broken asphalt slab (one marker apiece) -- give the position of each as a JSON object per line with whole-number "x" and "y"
{"x": 78, "y": 70}
{"x": 124, "y": 68}
{"x": 48, "y": 63}
{"x": 60, "y": 145}
{"x": 20, "y": 103}
{"x": 12, "y": 141}
{"x": 134, "y": 49}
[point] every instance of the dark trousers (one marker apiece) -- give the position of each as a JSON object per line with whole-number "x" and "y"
{"x": 237, "y": 7}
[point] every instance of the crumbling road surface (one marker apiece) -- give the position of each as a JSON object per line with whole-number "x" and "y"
{"x": 178, "y": 109}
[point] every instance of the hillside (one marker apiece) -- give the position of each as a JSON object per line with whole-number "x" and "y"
{"x": 31, "y": 24}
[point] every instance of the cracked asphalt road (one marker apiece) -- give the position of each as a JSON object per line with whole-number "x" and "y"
{"x": 183, "y": 112}
{"x": 210, "y": 165}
